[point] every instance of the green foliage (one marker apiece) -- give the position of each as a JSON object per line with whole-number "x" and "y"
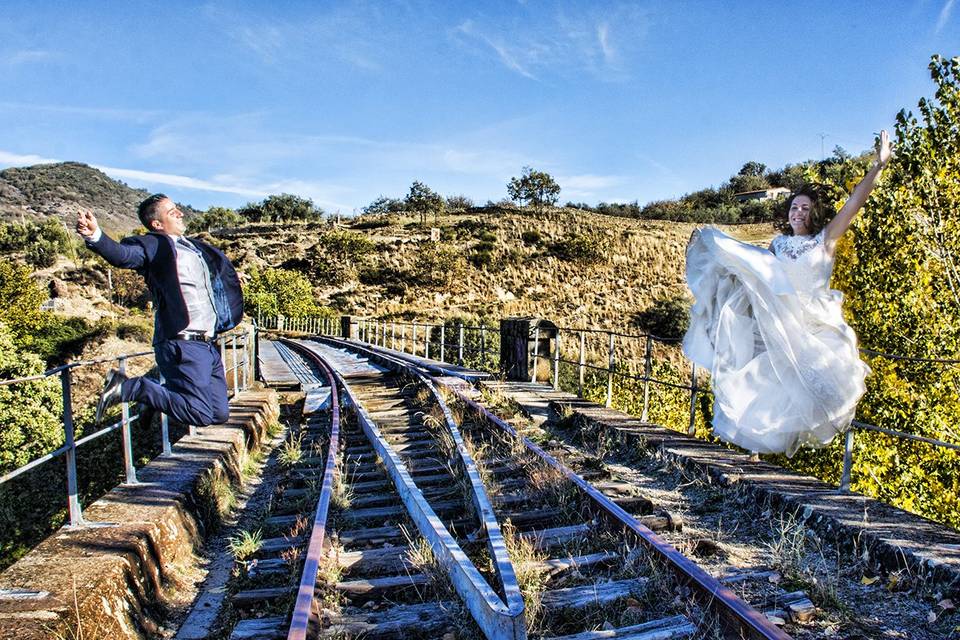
{"x": 531, "y": 237}
{"x": 666, "y": 318}
{"x": 911, "y": 224}
{"x": 535, "y": 188}
{"x": 383, "y": 206}
{"x": 282, "y": 208}
{"x": 214, "y": 218}
{"x": 279, "y": 291}
{"x": 458, "y": 203}
{"x": 41, "y": 242}
{"x": 337, "y": 256}
{"x": 378, "y": 221}
{"x": 438, "y": 264}
{"x": 423, "y": 200}
{"x": 30, "y": 411}
{"x": 20, "y": 300}
{"x": 586, "y": 249}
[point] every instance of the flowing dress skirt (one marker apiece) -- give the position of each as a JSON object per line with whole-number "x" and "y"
{"x": 785, "y": 367}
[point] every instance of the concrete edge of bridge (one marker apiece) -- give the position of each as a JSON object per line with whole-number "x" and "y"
{"x": 114, "y": 577}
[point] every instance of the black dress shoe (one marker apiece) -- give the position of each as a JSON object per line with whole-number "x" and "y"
{"x": 110, "y": 394}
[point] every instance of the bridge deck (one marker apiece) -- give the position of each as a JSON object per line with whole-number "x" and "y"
{"x": 274, "y": 371}
{"x": 893, "y": 535}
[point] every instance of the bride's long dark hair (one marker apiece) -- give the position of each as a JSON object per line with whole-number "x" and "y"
{"x": 818, "y": 213}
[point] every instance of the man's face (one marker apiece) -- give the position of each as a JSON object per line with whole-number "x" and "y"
{"x": 169, "y": 219}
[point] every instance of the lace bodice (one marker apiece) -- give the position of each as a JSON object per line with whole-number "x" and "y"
{"x": 805, "y": 260}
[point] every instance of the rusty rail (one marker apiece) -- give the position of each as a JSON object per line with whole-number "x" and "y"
{"x": 303, "y": 607}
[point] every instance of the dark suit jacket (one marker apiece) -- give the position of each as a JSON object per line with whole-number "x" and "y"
{"x": 153, "y": 256}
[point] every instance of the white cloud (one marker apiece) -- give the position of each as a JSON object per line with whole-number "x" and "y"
{"x": 20, "y": 160}
{"x": 588, "y": 185}
{"x": 586, "y": 40}
{"x": 25, "y": 56}
{"x": 944, "y": 16}
{"x": 110, "y": 113}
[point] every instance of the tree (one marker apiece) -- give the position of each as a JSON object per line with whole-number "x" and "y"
{"x": 20, "y": 300}
{"x": 752, "y": 168}
{"x": 382, "y": 206}
{"x": 424, "y": 200}
{"x": 214, "y": 218}
{"x": 537, "y": 188}
{"x": 458, "y": 203}
{"x": 898, "y": 270}
{"x": 282, "y": 208}
{"x": 279, "y": 291}
{"x": 29, "y": 412}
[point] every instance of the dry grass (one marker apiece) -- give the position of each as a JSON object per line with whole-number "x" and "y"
{"x": 532, "y": 576}
{"x": 644, "y": 263}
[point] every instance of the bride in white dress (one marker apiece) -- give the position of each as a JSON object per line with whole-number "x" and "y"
{"x": 785, "y": 370}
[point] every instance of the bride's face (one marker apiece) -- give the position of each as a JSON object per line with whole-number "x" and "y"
{"x": 799, "y": 215}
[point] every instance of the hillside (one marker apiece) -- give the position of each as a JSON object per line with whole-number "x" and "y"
{"x": 506, "y": 262}
{"x": 45, "y": 190}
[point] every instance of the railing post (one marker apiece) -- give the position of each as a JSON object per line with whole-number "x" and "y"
{"x": 165, "y": 429}
{"x": 610, "y": 373}
{"x": 413, "y": 341}
{"x": 443, "y": 339}
{"x": 847, "y": 460}
{"x": 460, "y": 345}
{"x": 647, "y": 372}
{"x": 223, "y": 360}
{"x": 536, "y": 352}
{"x": 73, "y": 502}
{"x": 556, "y": 361}
{"x": 131, "y": 471}
{"x": 583, "y": 362}
{"x": 233, "y": 354}
{"x": 427, "y": 330}
{"x": 692, "y": 428}
{"x": 483, "y": 345}
{"x": 393, "y": 336}
{"x": 246, "y": 361}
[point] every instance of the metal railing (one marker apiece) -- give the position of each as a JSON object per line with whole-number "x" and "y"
{"x": 471, "y": 344}
{"x": 239, "y": 371}
{"x": 616, "y": 367}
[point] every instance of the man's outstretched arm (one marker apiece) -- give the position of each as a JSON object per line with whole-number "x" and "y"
{"x": 125, "y": 256}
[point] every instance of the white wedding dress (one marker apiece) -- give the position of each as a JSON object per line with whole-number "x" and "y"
{"x": 785, "y": 370}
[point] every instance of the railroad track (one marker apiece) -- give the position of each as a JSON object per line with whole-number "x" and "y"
{"x": 406, "y": 540}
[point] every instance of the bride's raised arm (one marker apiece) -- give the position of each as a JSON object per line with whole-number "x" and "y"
{"x": 859, "y": 196}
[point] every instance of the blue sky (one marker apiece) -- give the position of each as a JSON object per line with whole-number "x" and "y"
{"x": 225, "y": 102}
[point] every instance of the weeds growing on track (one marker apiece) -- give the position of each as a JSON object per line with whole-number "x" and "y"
{"x": 291, "y": 453}
{"x": 245, "y": 544}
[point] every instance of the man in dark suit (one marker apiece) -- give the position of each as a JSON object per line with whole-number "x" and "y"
{"x": 196, "y": 295}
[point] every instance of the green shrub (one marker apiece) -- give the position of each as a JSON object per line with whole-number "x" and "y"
{"x": 665, "y": 318}
{"x": 337, "y": 256}
{"x": 481, "y": 258}
{"x": 279, "y": 291}
{"x": 531, "y": 238}
{"x": 214, "y": 218}
{"x": 583, "y": 249}
{"x": 438, "y": 264}
{"x": 29, "y": 412}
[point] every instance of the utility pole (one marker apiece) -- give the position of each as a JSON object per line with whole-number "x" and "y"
{"x": 822, "y": 155}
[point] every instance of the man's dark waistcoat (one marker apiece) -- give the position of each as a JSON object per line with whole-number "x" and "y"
{"x": 154, "y": 257}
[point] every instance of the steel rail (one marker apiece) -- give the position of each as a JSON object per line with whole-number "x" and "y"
{"x": 481, "y": 501}
{"x": 496, "y": 618}
{"x": 731, "y": 608}
{"x": 306, "y": 592}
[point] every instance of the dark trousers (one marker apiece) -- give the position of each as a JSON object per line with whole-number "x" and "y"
{"x": 194, "y": 389}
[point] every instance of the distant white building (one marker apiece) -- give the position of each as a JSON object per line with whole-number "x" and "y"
{"x": 773, "y": 193}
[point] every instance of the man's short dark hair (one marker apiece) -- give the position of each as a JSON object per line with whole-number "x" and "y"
{"x": 147, "y": 211}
